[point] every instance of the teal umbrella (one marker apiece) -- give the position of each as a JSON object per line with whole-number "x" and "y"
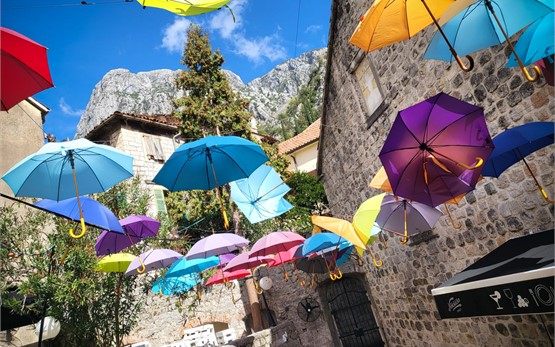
{"x": 536, "y": 43}
{"x": 469, "y": 25}
{"x": 174, "y": 285}
{"x": 193, "y": 266}
{"x": 260, "y": 196}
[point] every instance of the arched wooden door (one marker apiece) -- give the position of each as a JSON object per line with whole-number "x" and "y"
{"x": 352, "y": 313}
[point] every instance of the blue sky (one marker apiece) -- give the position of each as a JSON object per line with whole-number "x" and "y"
{"x": 87, "y": 41}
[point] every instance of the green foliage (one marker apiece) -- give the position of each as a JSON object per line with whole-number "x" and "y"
{"x": 84, "y": 300}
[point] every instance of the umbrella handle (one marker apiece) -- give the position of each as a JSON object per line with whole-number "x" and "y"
{"x": 233, "y": 298}
{"x": 312, "y": 282}
{"x": 142, "y": 269}
{"x": 257, "y": 288}
{"x": 339, "y": 275}
{"x": 451, "y": 218}
{"x": 461, "y": 63}
{"x": 285, "y": 276}
{"x": 377, "y": 263}
{"x": 83, "y": 230}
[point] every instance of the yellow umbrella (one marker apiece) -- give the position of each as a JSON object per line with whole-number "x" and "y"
{"x": 185, "y": 7}
{"x": 364, "y": 218}
{"x": 340, "y": 227}
{"x": 118, "y": 262}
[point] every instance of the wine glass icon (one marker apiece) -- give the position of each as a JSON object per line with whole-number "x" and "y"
{"x": 496, "y": 296}
{"x": 509, "y": 294}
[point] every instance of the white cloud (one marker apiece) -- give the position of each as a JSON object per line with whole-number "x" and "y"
{"x": 222, "y": 21}
{"x": 313, "y": 29}
{"x": 67, "y": 109}
{"x": 175, "y": 35}
{"x": 256, "y": 50}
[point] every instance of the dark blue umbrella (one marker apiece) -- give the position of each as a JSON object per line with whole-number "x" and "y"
{"x": 209, "y": 163}
{"x": 94, "y": 213}
{"x": 512, "y": 145}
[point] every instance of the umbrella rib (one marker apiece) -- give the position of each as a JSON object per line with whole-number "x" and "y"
{"x": 106, "y": 157}
{"x": 27, "y": 68}
{"x": 463, "y": 116}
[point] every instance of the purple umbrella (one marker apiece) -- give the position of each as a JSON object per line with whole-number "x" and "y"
{"x": 216, "y": 244}
{"x": 406, "y": 218}
{"x": 136, "y": 228}
{"x": 152, "y": 260}
{"x": 435, "y": 150}
{"x": 225, "y": 258}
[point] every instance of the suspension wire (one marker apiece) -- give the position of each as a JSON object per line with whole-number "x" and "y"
{"x": 297, "y": 31}
{"x": 81, "y": 3}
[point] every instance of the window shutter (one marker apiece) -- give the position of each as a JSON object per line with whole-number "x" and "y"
{"x": 160, "y": 201}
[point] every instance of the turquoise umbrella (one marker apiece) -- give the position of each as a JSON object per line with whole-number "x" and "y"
{"x": 536, "y": 42}
{"x": 174, "y": 285}
{"x": 185, "y": 267}
{"x": 469, "y": 25}
{"x": 260, "y": 196}
{"x": 62, "y": 170}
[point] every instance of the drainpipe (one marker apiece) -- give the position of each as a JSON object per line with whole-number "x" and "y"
{"x": 295, "y": 162}
{"x": 174, "y": 139}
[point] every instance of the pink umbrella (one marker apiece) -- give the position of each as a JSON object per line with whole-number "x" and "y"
{"x": 245, "y": 262}
{"x": 152, "y": 260}
{"x": 136, "y": 228}
{"x": 276, "y": 242}
{"x": 216, "y": 244}
{"x": 224, "y": 277}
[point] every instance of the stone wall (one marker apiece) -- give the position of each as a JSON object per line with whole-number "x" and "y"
{"x": 497, "y": 210}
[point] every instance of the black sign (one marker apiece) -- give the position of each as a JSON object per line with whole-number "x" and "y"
{"x": 532, "y": 296}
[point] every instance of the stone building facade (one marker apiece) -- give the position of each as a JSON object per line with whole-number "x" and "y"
{"x": 362, "y": 96}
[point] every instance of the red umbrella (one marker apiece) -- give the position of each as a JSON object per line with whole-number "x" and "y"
{"x": 224, "y": 277}
{"x": 276, "y": 242}
{"x": 24, "y": 68}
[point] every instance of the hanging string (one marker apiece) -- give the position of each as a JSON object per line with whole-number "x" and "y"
{"x": 297, "y": 31}
{"x": 81, "y": 3}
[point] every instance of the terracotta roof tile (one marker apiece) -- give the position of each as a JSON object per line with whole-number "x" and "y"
{"x": 165, "y": 119}
{"x": 309, "y": 135}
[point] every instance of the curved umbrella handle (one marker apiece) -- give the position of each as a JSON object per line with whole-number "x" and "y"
{"x": 285, "y": 276}
{"x": 257, "y": 288}
{"x": 377, "y": 263}
{"x": 537, "y": 73}
{"x": 312, "y": 282}
{"x": 142, "y": 269}
{"x": 332, "y": 276}
{"x": 461, "y": 63}
{"x": 339, "y": 275}
{"x": 83, "y": 230}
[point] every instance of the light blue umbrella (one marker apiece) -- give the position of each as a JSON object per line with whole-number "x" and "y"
{"x": 209, "y": 163}
{"x": 184, "y": 267}
{"x": 174, "y": 285}
{"x": 260, "y": 196}
{"x": 536, "y": 42}
{"x": 468, "y": 26}
{"x": 323, "y": 242}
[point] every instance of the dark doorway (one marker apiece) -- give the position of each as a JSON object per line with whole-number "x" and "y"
{"x": 352, "y": 313}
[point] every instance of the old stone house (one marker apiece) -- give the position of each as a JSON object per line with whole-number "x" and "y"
{"x": 363, "y": 93}
{"x": 302, "y": 149}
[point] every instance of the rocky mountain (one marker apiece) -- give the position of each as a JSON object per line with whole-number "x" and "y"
{"x": 151, "y": 92}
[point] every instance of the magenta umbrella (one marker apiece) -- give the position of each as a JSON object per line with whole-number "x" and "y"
{"x": 152, "y": 260}
{"x": 435, "y": 150}
{"x": 276, "y": 242}
{"x": 136, "y": 228}
{"x": 216, "y": 244}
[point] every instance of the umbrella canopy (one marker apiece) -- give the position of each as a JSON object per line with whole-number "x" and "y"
{"x": 536, "y": 42}
{"x": 24, "y": 68}
{"x": 381, "y": 182}
{"x": 136, "y": 228}
{"x": 152, "y": 260}
{"x": 59, "y": 169}
{"x": 512, "y": 145}
{"x": 48, "y": 172}
{"x": 435, "y": 150}
{"x": 287, "y": 256}
{"x": 216, "y": 244}
{"x": 340, "y": 227}
{"x": 364, "y": 217}
{"x": 321, "y": 242}
{"x": 321, "y": 263}
{"x": 185, "y": 267}
{"x": 276, "y": 242}
{"x": 118, "y": 262}
{"x": 185, "y": 8}
{"x": 471, "y": 25}
{"x": 174, "y": 285}
{"x": 260, "y": 196}
{"x": 226, "y": 276}
{"x": 390, "y": 21}
{"x": 406, "y": 218}
{"x": 210, "y": 162}
{"x": 94, "y": 213}
{"x": 225, "y": 258}
{"x": 246, "y": 262}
